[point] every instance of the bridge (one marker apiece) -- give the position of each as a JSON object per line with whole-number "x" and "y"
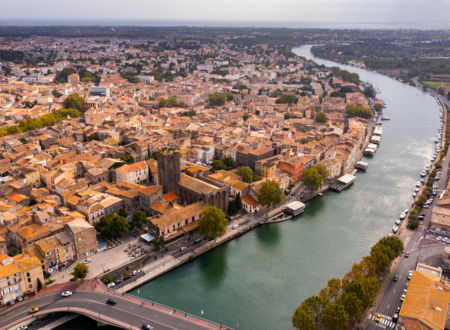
{"x": 89, "y": 299}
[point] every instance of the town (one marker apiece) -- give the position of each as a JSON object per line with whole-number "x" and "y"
{"x": 157, "y": 132}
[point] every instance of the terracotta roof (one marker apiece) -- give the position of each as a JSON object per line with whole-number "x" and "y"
{"x": 250, "y": 200}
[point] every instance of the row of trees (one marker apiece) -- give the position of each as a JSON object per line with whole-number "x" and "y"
{"x": 358, "y": 111}
{"x": 344, "y": 300}
{"x": 226, "y": 164}
{"x": 44, "y": 121}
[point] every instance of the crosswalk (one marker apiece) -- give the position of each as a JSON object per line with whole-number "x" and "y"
{"x": 385, "y": 322}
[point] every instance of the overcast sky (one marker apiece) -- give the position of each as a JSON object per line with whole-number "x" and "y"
{"x": 387, "y": 11}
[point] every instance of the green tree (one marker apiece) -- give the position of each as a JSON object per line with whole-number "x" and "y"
{"x": 394, "y": 243}
{"x": 358, "y": 111}
{"x": 39, "y": 284}
{"x": 323, "y": 171}
{"x": 139, "y": 218}
{"x": 311, "y": 178}
{"x": 287, "y": 98}
{"x": 111, "y": 225}
{"x": 127, "y": 159}
{"x": 229, "y": 162}
{"x": 321, "y": 117}
{"x": 369, "y": 91}
{"x": 212, "y": 222}
{"x": 317, "y": 305}
{"x": 217, "y": 99}
{"x": 303, "y": 318}
{"x": 335, "y": 317}
{"x": 352, "y": 304}
{"x": 271, "y": 193}
{"x": 218, "y": 165}
{"x": 80, "y": 271}
{"x": 246, "y": 173}
{"x": 122, "y": 212}
{"x": 75, "y": 101}
{"x": 333, "y": 290}
{"x": 238, "y": 202}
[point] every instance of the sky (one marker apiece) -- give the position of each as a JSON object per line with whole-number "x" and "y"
{"x": 262, "y": 12}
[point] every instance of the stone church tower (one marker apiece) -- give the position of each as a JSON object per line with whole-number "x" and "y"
{"x": 169, "y": 170}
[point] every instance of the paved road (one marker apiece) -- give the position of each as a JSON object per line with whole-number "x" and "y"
{"x": 417, "y": 253}
{"x": 124, "y": 311}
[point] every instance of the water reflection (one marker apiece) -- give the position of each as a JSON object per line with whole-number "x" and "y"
{"x": 269, "y": 235}
{"x": 213, "y": 268}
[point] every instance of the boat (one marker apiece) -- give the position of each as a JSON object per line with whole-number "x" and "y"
{"x": 402, "y": 216}
{"x": 343, "y": 182}
{"x": 423, "y": 173}
{"x": 397, "y": 222}
{"x": 294, "y": 208}
{"x": 395, "y": 229}
{"x": 362, "y": 165}
{"x": 385, "y": 118}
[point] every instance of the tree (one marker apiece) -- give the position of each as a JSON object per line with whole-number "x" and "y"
{"x": 311, "y": 178}
{"x": 270, "y": 194}
{"x": 323, "y": 171}
{"x": 317, "y": 305}
{"x": 358, "y": 111}
{"x": 246, "y": 173}
{"x": 369, "y": 91}
{"x": 127, "y": 159}
{"x": 217, "y": 99}
{"x": 286, "y": 99}
{"x": 212, "y": 222}
{"x": 122, "y": 212}
{"x": 75, "y": 101}
{"x": 352, "y": 304}
{"x": 238, "y": 202}
{"x": 139, "y": 218}
{"x": 218, "y": 165}
{"x": 303, "y": 318}
{"x": 321, "y": 117}
{"x": 80, "y": 271}
{"x": 333, "y": 290}
{"x": 39, "y": 284}
{"x": 335, "y": 317}
{"x": 229, "y": 162}
{"x": 111, "y": 225}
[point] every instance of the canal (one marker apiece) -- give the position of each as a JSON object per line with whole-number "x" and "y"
{"x": 258, "y": 280}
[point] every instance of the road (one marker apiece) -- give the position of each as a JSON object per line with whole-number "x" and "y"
{"x": 125, "y": 312}
{"x": 421, "y": 246}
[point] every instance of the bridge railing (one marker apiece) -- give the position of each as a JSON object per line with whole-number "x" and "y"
{"x": 176, "y": 310}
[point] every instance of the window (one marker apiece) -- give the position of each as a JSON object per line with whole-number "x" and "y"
{"x": 31, "y": 286}
{"x": 28, "y": 274}
{"x": 29, "y": 280}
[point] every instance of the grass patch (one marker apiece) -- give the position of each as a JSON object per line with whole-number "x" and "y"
{"x": 436, "y": 84}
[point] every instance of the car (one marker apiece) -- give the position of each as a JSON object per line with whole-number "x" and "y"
{"x": 404, "y": 290}
{"x": 23, "y": 327}
{"x": 118, "y": 281}
{"x": 111, "y": 301}
{"x": 439, "y": 238}
{"x": 86, "y": 261}
{"x": 235, "y": 226}
{"x": 395, "y": 318}
{"x": 395, "y": 278}
{"x": 406, "y": 254}
{"x": 421, "y": 216}
{"x": 434, "y": 192}
{"x": 34, "y": 310}
{"x": 409, "y": 275}
{"x": 378, "y": 317}
{"x": 135, "y": 272}
{"x": 146, "y": 326}
{"x": 19, "y": 298}
{"x": 198, "y": 240}
{"x": 66, "y": 293}
{"x": 402, "y": 297}
{"x": 182, "y": 248}
{"x": 110, "y": 285}
{"x": 126, "y": 277}
{"x": 397, "y": 310}
{"x": 416, "y": 190}
{"x": 426, "y": 206}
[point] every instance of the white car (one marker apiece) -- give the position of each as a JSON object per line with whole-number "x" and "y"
{"x": 110, "y": 285}
{"x": 87, "y": 261}
{"x": 135, "y": 272}
{"x": 402, "y": 297}
{"x": 66, "y": 293}
{"x": 235, "y": 226}
{"x": 182, "y": 248}
{"x": 439, "y": 238}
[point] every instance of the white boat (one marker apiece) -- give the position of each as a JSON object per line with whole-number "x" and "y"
{"x": 395, "y": 229}
{"x": 397, "y": 222}
{"x": 423, "y": 173}
{"x": 402, "y": 216}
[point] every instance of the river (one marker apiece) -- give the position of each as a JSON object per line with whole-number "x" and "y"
{"x": 259, "y": 279}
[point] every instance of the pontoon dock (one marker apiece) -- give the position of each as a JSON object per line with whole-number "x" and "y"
{"x": 361, "y": 165}
{"x": 343, "y": 182}
{"x": 295, "y": 208}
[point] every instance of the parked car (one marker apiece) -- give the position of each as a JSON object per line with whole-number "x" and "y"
{"x": 110, "y": 285}
{"x": 395, "y": 278}
{"x": 235, "y": 226}
{"x": 66, "y": 293}
{"x": 402, "y": 297}
{"x": 127, "y": 277}
{"x": 397, "y": 310}
{"x": 395, "y": 318}
{"x": 421, "y": 216}
{"x": 86, "y": 261}
{"x": 19, "y": 298}
{"x": 182, "y": 248}
{"x": 406, "y": 254}
{"x": 111, "y": 301}
{"x": 135, "y": 272}
{"x": 409, "y": 275}
{"x": 118, "y": 281}
{"x": 146, "y": 326}
{"x": 198, "y": 240}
